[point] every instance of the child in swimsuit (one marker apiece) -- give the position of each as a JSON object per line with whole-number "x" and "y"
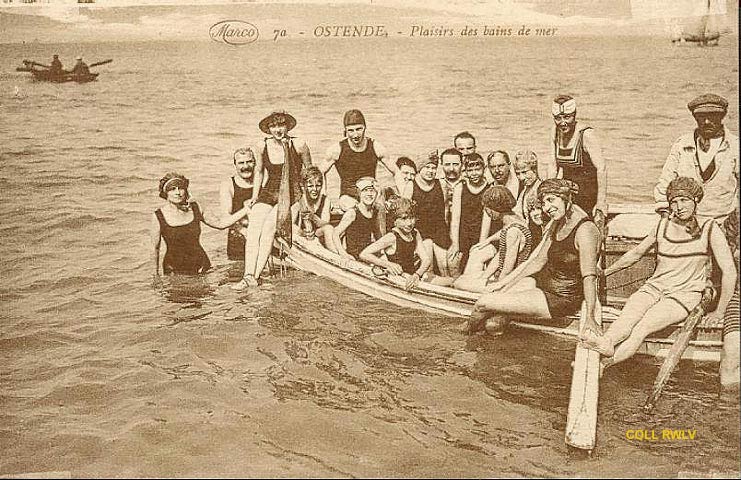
{"x": 400, "y": 245}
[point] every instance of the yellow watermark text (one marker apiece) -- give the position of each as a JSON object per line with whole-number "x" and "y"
{"x": 663, "y": 435}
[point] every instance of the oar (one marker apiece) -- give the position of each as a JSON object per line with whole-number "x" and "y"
{"x": 678, "y": 348}
{"x": 38, "y": 64}
{"x": 100, "y": 63}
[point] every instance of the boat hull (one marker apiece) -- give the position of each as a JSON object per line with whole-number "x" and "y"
{"x": 311, "y": 256}
{"x": 47, "y": 76}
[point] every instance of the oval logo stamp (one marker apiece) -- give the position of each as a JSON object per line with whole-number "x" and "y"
{"x": 233, "y": 32}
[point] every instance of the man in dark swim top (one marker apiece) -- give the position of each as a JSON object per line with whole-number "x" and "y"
{"x": 233, "y": 193}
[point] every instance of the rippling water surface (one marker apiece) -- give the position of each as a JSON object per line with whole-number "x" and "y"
{"x": 103, "y": 374}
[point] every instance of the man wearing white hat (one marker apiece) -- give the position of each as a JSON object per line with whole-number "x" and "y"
{"x": 577, "y": 156}
{"x": 80, "y": 67}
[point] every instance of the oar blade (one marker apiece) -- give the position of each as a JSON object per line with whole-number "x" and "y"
{"x": 581, "y": 420}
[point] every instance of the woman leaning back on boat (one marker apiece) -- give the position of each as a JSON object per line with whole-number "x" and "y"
{"x": 564, "y": 267}
{"x": 675, "y": 288}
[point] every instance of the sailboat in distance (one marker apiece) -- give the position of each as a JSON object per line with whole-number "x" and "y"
{"x": 704, "y": 27}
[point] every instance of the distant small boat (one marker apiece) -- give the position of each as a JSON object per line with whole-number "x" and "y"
{"x": 45, "y": 74}
{"x": 703, "y": 30}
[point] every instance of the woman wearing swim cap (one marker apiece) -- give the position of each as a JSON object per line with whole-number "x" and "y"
{"x": 676, "y": 286}
{"x": 564, "y": 267}
{"x": 504, "y": 251}
{"x": 178, "y": 221}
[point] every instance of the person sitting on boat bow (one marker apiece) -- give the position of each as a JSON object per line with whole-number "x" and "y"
{"x": 178, "y": 222}
{"x": 312, "y": 212}
{"x": 400, "y": 245}
{"x": 564, "y": 267}
{"x": 683, "y": 246}
{"x": 283, "y": 159}
{"x": 504, "y": 250}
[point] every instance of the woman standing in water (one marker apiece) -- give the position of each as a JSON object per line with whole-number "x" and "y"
{"x": 564, "y": 267}
{"x": 271, "y": 211}
{"x": 179, "y": 222}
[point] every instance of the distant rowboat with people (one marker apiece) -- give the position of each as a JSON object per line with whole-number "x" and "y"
{"x": 44, "y": 73}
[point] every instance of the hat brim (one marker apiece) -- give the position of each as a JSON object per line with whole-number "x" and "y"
{"x": 264, "y": 124}
{"x": 709, "y": 109}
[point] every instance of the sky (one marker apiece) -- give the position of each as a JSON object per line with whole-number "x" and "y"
{"x": 60, "y": 20}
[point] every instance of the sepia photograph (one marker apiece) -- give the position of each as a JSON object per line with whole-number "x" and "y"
{"x": 369, "y": 238}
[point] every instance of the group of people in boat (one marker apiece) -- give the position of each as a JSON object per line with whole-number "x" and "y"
{"x": 80, "y": 67}
{"x": 524, "y": 232}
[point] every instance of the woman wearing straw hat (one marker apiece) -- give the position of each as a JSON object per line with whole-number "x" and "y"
{"x": 272, "y": 199}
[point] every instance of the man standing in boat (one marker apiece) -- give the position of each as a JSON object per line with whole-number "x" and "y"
{"x": 577, "y": 156}
{"x": 233, "y": 193}
{"x": 56, "y": 65}
{"x": 709, "y": 155}
{"x": 354, "y": 157}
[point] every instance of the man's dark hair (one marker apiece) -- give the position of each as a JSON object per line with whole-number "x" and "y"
{"x": 465, "y": 134}
{"x": 401, "y": 161}
{"x": 452, "y": 151}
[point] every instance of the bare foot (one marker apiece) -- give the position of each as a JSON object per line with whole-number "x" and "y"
{"x": 598, "y": 343}
{"x": 477, "y": 323}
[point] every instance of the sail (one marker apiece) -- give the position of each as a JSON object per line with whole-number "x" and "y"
{"x": 703, "y": 25}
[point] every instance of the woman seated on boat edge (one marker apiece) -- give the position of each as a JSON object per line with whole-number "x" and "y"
{"x": 178, "y": 222}
{"x": 311, "y": 214}
{"x": 271, "y": 202}
{"x": 675, "y": 288}
{"x": 400, "y": 245}
{"x": 488, "y": 262}
{"x": 360, "y": 225}
{"x": 564, "y": 267}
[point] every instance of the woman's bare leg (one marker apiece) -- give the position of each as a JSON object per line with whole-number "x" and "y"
{"x": 267, "y": 236}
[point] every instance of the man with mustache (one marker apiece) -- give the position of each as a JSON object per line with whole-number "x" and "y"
{"x": 233, "y": 192}
{"x": 577, "y": 156}
{"x": 709, "y": 155}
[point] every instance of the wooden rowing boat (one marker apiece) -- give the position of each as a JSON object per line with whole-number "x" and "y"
{"x": 311, "y": 256}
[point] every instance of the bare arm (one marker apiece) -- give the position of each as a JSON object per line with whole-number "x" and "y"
{"x": 593, "y": 146}
{"x": 587, "y": 241}
{"x": 633, "y": 255}
{"x": 425, "y": 260}
{"x": 333, "y": 153}
{"x": 224, "y": 221}
{"x": 371, "y": 253}
{"x": 339, "y": 232}
{"x": 156, "y": 237}
{"x": 485, "y": 227}
{"x": 258, "y": 176}
{"x": 547, "y": 165}
{"x": 534, "y": 263}
{"x": 385, "y": 160}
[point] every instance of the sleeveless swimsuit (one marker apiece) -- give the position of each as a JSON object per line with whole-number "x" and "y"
{"x": 431, "y": 214}
{"x": 269, "y": 192}
{"x": 472, "y": 213}
{"x": 352, "y": 165}
{"x": 235, "y": 240}
{"x": 404, "y": 254}
{"x": 560, "y": 279}
{"x": 577, "y": 166}
{"x": 184, "y": 252}
{"x": 361, "y": 232}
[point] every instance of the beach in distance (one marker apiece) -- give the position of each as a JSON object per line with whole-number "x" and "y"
{"x": 105, "y": 375}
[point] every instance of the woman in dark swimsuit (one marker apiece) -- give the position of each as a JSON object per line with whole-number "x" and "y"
{"x": 277, "y": 151}
{"x": 179, "y": 223}
{"x": 564, "y": 267}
